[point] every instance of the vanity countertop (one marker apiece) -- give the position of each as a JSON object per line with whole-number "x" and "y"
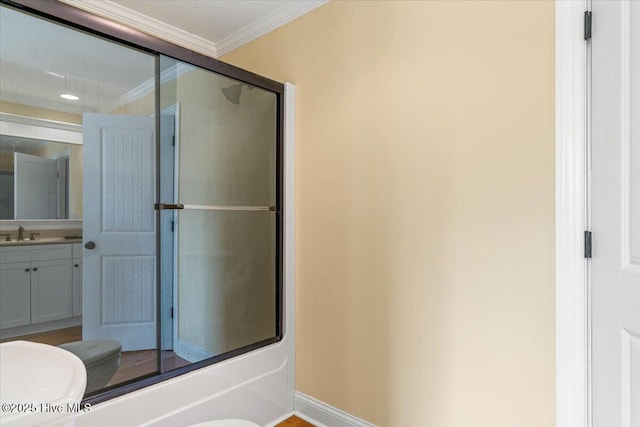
{"x": 43, "y": 241}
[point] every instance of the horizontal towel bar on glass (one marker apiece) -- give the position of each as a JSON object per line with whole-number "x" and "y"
{"x": 229, "y": 208}
{"x": 180, "y": 206}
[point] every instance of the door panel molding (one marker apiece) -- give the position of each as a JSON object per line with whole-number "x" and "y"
{"x": 630, "y": 372}
{"x": 631, "y": 206}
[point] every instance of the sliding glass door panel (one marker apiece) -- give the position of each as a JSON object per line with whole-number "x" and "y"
{"x": 222, "y": 201}
{"x": 226, "y": 294}
{"x": 172, "y": 173}
{"x": 227, "y": 137}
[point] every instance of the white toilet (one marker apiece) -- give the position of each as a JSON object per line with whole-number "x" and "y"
{"x": 101, "y": 358}
{"x": 226, "y": 423}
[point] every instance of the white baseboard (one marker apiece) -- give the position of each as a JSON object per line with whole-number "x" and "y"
{"x": 322, "y": 415}
{"x": 190, "y": 352}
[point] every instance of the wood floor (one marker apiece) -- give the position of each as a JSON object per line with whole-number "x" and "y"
{"x": 57, "y": 337}
{"x": 294, "y": 422}
{"x": 135, "y": 364}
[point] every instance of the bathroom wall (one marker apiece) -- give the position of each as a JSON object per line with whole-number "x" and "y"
{"x": 425, "y": 208}
{"x": 41, "y": 113}
{"x": 6, "y": 161}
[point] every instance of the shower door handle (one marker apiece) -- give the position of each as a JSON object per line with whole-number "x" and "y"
{"x": 168, "y": 206}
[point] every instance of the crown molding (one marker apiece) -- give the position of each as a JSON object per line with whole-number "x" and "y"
{"x": 36, "y": 128}
{"x": 149, "y": 86}
{"x": 139, "y": 21}
{"x": 268, "y": 23}
{"x": 35, "y": 121}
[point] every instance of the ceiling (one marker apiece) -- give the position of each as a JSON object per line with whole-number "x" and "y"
{"x": 103, "y": 74}
{"x": 211, "y": 20}
{"x": 212, "y": 27}
{"x": 36, "y": 73}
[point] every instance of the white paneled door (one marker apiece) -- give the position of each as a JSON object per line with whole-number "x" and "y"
{"x": 615, "y": 181}
{"x": 119, "y": 230}
{"x": 36, "y": 187}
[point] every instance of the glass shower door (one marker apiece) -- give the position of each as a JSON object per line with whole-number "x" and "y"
{"x": 222, "y": 205}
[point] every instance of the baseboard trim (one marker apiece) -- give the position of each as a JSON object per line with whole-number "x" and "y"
{"x": 190, "y": 352}
{"x": 322, "y": 415}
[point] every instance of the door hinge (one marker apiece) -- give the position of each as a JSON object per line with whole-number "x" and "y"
{"x": 587, "y": 24}
{"x": 587, "y": 244}
{"x": 172, "y": 225}
{"x": 172, "y": 312}
{"x": 173, "y": 140}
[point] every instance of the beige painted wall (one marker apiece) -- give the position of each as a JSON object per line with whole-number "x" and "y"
{"x": 425, "y": 207}
{"x": 6, "y": 161}
{"x": 41, "y": 113}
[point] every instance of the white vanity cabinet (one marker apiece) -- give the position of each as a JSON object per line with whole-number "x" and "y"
{"x": 51, "y": 290}
{"x": 15, "y": 294}
{"x": 36, "y": 284}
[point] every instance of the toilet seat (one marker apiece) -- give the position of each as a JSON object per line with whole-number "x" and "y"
{"x": 101, "y": 359}
{"x": 93, "y": 352}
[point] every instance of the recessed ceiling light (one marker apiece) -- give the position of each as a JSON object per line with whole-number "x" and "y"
{"x": 69, "y": 96}
{"x": 55, "y": 74}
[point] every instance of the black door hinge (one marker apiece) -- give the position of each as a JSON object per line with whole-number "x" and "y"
{"x": 172, "y": 226}
{"x": 172, "y": 312}
{"x": 173, "y": 140}
{"x": 587, "y": 24}
{"x": 587, "y": 244}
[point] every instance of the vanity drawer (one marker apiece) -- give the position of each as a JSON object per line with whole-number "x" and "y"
{"x": 35, "y": 253}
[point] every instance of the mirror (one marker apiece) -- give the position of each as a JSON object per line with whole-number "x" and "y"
{"x": 51, "y": 76}
{"x": 39, "y": 179}
{"x": 150, "y": 291}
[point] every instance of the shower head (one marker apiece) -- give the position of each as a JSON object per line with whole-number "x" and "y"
{"x": 232, "y": 93}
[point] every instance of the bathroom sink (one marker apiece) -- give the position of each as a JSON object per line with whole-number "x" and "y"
{"x": 39, "y": 383}
{"x": 42, "y": 241}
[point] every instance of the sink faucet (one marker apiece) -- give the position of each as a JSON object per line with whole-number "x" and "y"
{"x": 20, "y": 231}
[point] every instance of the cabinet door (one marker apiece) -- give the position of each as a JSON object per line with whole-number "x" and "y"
{"x": 15, "y": 294}
{"x": 51, "y": 290}
{"x": 77, "y": 287}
